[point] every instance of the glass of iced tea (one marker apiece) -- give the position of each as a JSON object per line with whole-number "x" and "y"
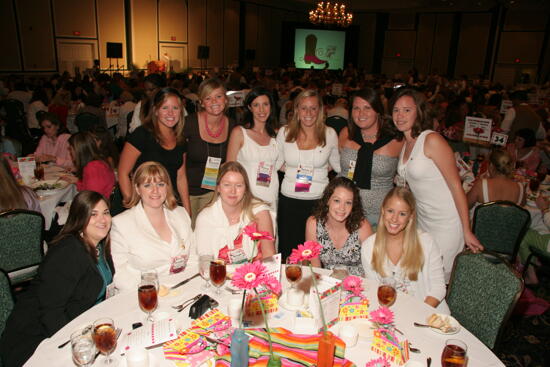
{"x": 386, "y": 292}
{"x": 454, "y": 353}
{"x": 293, "y": 273}
{"x": 39, "y": 171}
{"x": 148, "y": 295}
{"x": 217, "y": 274}
{"x": 104, "y": 335}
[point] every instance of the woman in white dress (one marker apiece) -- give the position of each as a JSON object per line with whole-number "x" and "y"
{"x": 254, "y": 146}
{"x": 427, "y": 165}
{"x": 398, "y": 250}
{"x": 155, "y": 233}
{"x": 219, "y": 227}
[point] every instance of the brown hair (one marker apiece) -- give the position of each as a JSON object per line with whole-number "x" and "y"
{"x": 151, "y": 121}
{"x": 412, "y": 259}
{"x": 355, "y": 218}
{"x": 152, "y": 172}
{"x": 79, "y": 216}
{"x": 423, "y": 121}
{"x": 11, "y": 196}
{"x": 249, "y": 200}
{"x": 85, "y": 150}
{"x": 294, "y": 127}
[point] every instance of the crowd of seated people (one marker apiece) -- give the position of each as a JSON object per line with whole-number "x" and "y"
{"x": 380, "y": 191}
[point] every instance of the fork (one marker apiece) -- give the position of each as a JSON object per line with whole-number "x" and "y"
{"x": 190, "y": 301}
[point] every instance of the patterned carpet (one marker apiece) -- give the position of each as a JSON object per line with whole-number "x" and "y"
{"x": 526, "y": 339}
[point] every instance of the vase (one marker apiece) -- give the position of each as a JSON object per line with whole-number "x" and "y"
{"x": 274, "y": 361}
{"x": 325, "y": 352}
{"x": 239, "y": 348}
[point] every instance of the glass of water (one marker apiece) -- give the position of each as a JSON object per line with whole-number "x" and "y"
{"x": 83, "y": 347}
{"x": 204, "y": 269}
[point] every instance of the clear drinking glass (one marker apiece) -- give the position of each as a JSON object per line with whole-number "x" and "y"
{"x": 293, "y": 273}
{"x": 454, "y": 353}
{"x": 386, "y": 292}
{"x": 217, "y": 274}
{"x": 83, "y": 347}
{"x": 104, "y": 335}
{"x": 204, "y": 269}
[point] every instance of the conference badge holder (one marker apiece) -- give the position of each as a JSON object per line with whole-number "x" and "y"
{"x": 211, "y": 173}
{"x": 351, "y": 169}
{"x": 304, "y": 177}
{"x": 263, "y": 177}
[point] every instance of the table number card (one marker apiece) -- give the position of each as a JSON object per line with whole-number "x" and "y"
{"x": 329, "y": 292}
{"x": 477, "y": 130}
{"x": 499, "y": 139}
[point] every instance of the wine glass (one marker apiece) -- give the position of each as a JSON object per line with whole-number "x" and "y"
{"x": 386, "y": 292}
{"x": 204, "y": 269}
{"x": 83, "y": 347}
{"x": 148, "y": 295}
{"x": 293, "y": 273}
{"x": 104, "y": 335}
{"x": 454, "y": 353}
{"x": 150, "y": 275}
{"x": 217, "y": 274}
{"x": 339, "y": 271}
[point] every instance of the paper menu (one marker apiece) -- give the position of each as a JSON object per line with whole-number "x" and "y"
{"x": 26, "y": 169}
{"x": 273, "y": 265}
{"x": 329, "y": 290}
{"x": 151, "y": 334}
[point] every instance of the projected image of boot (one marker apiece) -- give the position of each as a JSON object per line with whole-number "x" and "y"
{"x": 311, "y": 46}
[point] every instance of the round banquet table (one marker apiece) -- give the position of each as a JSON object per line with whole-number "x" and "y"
{"x": 124, "y": 310}
{"x": 48, "y": 203}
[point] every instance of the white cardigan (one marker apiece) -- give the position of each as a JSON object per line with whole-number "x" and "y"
{"x": 319, "y": 158}
{"x": 213, "y": 232}
{"x": 136, "y": 246}
{"x": 431, "y": 280}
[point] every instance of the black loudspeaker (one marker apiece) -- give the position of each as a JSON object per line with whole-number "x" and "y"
{"x": 114, "y": 50}
{"x": 203, "y": 52}
{"x": 250, "y": 54}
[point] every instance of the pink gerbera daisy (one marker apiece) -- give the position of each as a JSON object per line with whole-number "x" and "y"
{"x": 273, "y": 284}
{"x": 353, "y": 284}
{"x": 383, "y": 316}
{"x": 307, "y": 251}
{"x": 251, "y": 231}
{"x": 249, "y": 275}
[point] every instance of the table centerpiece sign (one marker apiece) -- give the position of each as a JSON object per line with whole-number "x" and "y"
{"x": 477, "y": 130}
{"x": 353, "y": 304}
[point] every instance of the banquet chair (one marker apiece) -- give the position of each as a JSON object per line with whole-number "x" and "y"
{"x": 21, "y": 237}
{"x": 500, "y": 227}
{"x": 7, "y": 300}
{"x": 541, "y": 255}
{"x": 482, "y": 294}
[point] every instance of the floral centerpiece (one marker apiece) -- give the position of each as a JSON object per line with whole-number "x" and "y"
{"x": 354, "y": 304}
{"x": 385, "y": 341}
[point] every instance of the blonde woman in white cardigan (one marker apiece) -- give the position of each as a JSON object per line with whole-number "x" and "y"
{"x": 155, "y": 233}
{"x": 220, "y": 225}
{"x": 399, "y": 251}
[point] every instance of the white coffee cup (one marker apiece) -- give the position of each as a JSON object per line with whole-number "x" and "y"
{"x": 349, "y": 335}
{"x": 137, "y": 357}
{"x": 234, "y": 308}
{"x": 295, "y": 297}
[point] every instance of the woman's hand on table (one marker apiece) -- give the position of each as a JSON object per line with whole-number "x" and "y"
{"x": 45, "y": 158}
{"x": 472, "y": 242}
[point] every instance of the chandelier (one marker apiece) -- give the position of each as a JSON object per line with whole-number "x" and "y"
{"x": 328, "y": 12}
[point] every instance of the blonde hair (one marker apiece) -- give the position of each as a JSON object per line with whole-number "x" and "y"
{"x": 152, "y": 172}
{"x": 249, "y": 200}
{"x": 502, "y": 162}
{"x": 412, "y": 258}
{"x": 208, "y": 86}
{"x": 294, "y": 126}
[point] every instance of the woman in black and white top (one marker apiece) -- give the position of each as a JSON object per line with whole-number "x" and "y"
{"x": 309, "y": 150}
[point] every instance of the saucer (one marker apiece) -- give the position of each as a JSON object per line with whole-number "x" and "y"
{"x": 303, "y": 307}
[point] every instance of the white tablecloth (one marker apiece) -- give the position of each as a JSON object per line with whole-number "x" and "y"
{"x": 124, "y": 309}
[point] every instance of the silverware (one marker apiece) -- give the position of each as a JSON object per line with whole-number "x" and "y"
{"x": 184, "y": 281}
{"x": 84, "y": 331}
{"x": 429, "y": 361}
{"x": 190, "y": 301}
{"x": 414, "y": 350}
{"x": 217, "y": 341}
{"x": 447, "y": 330}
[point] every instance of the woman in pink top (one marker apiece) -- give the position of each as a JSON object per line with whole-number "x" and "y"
{"x": 53, "y": 146}
{"x": 92, "y": 171}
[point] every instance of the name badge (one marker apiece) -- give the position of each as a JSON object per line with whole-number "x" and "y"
{"x": 351, "y": 169}
{"x": 178, "y": 264}
{"x": 304, "y": 177}
{"x": 211, "y": 173}
{"x": 263, "y": 176}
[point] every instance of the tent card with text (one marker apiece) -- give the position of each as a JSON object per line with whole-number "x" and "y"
{"x": 26, "y": 169}
{"x": 329, "y": 291}
{"x": 477, "y": 130}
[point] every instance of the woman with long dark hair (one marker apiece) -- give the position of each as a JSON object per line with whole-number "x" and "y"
{"x": 13, "y": 195}
{"x": 254, "y": 146}
{"x": 73, "y": 277}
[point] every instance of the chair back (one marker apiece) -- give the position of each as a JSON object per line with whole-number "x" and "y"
{"x": 337, "y": 123}
{"x": 500, "y": 226}
{"x": 482, "y": 293}
{"x": 7, "y": 300}
{"x": 21, "y": 237}
{"x": 86, "y": 121}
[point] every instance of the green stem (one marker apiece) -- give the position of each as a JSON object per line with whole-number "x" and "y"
{"x": 265, "y": 320}
{"x": 242, "y": 310}
{"x": 253, "y": 251}
{"x": 325, "y": 330}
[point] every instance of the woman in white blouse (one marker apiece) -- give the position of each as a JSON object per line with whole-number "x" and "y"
{"x": 155, "y": 233}
{"x": 219, "y": 227}
{"x": 309, "y": 150}
{"x": 399, "y": 251}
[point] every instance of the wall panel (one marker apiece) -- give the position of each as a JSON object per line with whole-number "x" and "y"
{"x": 367, "y": 30}
{"x": 400, "y": 44}
{"x": 144, "y": 32}
{"x": 75, "y": 18}
{"x": 424, "y": 43}
{"x": 525, "y": 21}
{"x": 172, "y": 21}
{"x": 197, "y": 30}
{"x": 231, "y": 33}
{"x": 402, "y": 21}
{"x": 111, "y": 25}
{"x": 442, "y": 43}
{"x": 36, "y": 31}
{"x": 523, "y": 45}
{"x": 10, "y": 59}
{"x": 214, "y": 30}
{"x": 472, "y": 45}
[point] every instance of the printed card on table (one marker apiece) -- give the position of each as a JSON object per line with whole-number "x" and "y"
{"x": 151, "y": 334}
{"x": 235, "y": 98}
{"x": 26, "y": 169}
{"x": 505, "y": 105}
{"x": 499, "y": 139}
{"x": 329, "y": 292}
{"x": 477, "y": 130}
